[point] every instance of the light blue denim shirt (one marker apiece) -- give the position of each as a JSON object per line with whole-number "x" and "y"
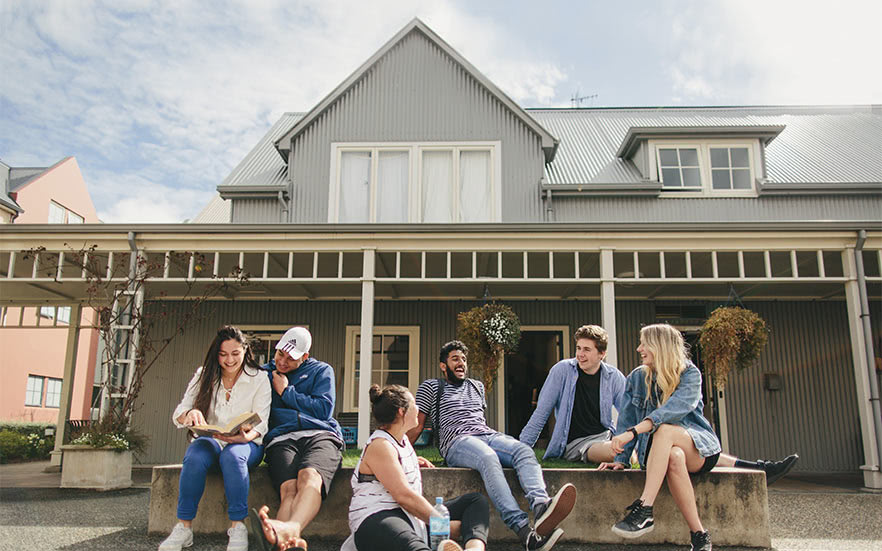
{"x": 559, "y": 392}
{"x": 683, "y": 408}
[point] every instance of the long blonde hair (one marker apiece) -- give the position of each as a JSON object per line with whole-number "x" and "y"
{"x": 669, "y": 352}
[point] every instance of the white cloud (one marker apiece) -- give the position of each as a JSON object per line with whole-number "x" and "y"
{"x": 159, "y": 102}
{"x": 780, "y": 52}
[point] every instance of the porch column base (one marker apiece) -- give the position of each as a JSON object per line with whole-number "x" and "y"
{"x": 54, "y": 460}
{"x": 872, "y": 480}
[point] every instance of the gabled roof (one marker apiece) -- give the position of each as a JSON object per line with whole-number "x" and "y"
{"x": 818, "y": 144}
{"x": 217, "y": 211}
{"x": 549, "y": 142}
{"x": 262, "y": 165}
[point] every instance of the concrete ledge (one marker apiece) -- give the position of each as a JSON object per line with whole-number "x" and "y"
{"x": 733, "y": 504}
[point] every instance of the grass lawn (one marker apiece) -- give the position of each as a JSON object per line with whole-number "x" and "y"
{"x": 351, "y": 455}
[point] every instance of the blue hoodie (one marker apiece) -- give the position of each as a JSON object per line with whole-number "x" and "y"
{"x": 307, "y": 403}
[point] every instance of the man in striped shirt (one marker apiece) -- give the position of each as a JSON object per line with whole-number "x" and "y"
{"x": 455, "y": 405}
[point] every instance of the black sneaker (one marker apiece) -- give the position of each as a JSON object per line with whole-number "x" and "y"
{"x": 534, "y": 542}
{"x": 776, "y": 469}
{"x": 701, "y": 541}
{"x": 550, "y": 514}
{"x": 638, "y": 522}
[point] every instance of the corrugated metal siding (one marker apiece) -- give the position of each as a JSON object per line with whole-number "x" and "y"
{"x": 165, "y": 383}
{"x": 815, "y": 414}
{"x": 416, "y": 93}
{"x": 732, "y": 209}
{"x": 256, "y": 211}
{"x": 818, "y": 144}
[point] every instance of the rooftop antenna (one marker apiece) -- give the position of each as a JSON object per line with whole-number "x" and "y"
{"x": 577, "y": 100}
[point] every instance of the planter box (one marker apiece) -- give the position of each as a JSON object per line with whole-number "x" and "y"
{"x": 95, "y": 468}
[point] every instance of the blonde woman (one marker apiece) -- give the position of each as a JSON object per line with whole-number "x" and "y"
{"x": 662, "y": 416}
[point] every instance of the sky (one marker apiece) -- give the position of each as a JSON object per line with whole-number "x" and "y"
{"x": 159, "y": 100}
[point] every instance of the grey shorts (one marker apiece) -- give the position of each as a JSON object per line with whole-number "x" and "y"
{"x": 577, "y": 450}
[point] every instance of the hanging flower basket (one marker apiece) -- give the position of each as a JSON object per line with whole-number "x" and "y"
{"x": 490, "y": 331}
{"x": 732, "y": 337}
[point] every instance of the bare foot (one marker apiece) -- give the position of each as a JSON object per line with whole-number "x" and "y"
{"x": 282, "y": 535}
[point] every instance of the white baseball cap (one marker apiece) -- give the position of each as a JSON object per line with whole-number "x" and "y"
{"x": 295, "y": 342}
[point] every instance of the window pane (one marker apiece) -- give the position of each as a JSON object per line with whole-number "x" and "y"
{"x": 474, "y": 187}
{"x": 691, "y": 178}
{"x": 671, "y": 177}
{"x": 64, "y": 314}
{"x": 437, "y": 186}
{"x": 56, "y": 213}
{"x": 741, "y": 178}
{"x": 688, "y": 157}
{"x": 668, "y": 157}
{"x": 355, "y": 186}
{"x": 392, "y": 178}
{"x": 719, "y": 157}
{"x": 34, "y": 391}
{"x": 721, "y": 179}
{"x": 53, "y": 393}
{"x": 73, "y": 218}
{"x": 740, "y": 157}
{"x": 47, "y": 311}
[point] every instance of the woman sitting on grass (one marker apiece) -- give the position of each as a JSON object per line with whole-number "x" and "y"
{"x": 228, "y": 385}
{"x": 388, "y": 510}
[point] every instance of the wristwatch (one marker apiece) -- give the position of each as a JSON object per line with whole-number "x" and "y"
{"x": 633, "y": 431}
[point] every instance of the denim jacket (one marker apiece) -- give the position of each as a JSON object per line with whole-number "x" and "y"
{"x": 683, "y": 408}
{"x": 559, "y": 392}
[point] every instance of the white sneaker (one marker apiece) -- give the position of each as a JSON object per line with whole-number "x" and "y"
{"x": 181, "y": 536}
{"x": 238, "y": 538}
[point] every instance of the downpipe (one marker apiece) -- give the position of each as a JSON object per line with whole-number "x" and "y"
{"x": 868, "y": 343}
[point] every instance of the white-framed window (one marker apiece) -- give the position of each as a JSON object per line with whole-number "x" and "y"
{"x": 263, "y": 339}
{"x": 395, "y": 358}
{"x": 53, "y": 392}
{"x": 705, "y": 168}
{"x": 63, "y": 313}
{"x": 61, "y": 215}
{"x": 34, "y": 391}
{"x": 56, "y": 213}
{"x": 415, "y": 182}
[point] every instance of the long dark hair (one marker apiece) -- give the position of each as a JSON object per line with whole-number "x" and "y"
{"x": 210, "y": 378}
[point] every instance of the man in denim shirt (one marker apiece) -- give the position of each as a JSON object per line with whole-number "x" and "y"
{"x": 582, "y": 391}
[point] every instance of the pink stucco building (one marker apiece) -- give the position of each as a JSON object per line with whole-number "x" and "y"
{"x": 34, "y": 338}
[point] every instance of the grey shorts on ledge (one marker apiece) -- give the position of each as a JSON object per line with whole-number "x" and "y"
{"x": 577, "y": 450}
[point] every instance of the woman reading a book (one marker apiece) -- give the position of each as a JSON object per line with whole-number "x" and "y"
{"x": 388, "y": 510}
{"x": 228, "y": 387}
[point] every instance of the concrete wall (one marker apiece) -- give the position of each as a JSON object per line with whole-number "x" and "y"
{"x": 733, "y": 504}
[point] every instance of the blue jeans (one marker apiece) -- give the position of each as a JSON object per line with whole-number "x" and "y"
{"x": 488, "y": 454}
{"x": 205, "y": 454}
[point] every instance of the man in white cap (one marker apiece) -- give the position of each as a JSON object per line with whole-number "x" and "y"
{"x": 304, "y": 444}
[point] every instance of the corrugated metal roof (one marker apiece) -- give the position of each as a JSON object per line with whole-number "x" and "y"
{"x": 217, "y": 211}
{"x": 20, "y": 177}
{"x": 818, "y": 144}
{"x": 263, "y": 166}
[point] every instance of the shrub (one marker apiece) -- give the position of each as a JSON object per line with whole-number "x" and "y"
{"x": 13, "y": 446}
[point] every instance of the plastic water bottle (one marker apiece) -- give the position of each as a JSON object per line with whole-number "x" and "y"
{"x": 439, "y": 524}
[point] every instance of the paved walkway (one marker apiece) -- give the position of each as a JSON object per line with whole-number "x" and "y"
{"x": 830, "y": 513}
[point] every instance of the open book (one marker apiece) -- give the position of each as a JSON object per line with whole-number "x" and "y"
{"x": 231, "y": 429}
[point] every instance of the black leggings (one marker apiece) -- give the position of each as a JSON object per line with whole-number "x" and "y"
{"x": 392, "y": 531}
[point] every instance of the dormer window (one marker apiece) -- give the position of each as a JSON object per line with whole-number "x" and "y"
{"x": 415, "y": 182}
{"x": 706, "y": 168}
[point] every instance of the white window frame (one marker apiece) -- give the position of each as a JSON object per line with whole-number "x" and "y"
{"x": 415, "y": 160}
{"x": 49, "y": 383}
{"x": 29, "y": 391}
{"x": 63, "y": 313}
{"x": 67, "y": 216}
{"x": 413, "y": 359}
{"x": 703, "y": 147}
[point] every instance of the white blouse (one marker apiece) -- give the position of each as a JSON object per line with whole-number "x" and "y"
{"x": 251, "y": 392}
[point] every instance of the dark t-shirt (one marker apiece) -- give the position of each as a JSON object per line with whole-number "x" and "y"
{"x": 586, "y": 407}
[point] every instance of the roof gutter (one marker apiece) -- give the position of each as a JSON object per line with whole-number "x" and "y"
{"x": 819, "y": 188}
{"x": 512, "y": 227}
{"x": 868, "y": 346}
{"x": 238, "y": 191}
